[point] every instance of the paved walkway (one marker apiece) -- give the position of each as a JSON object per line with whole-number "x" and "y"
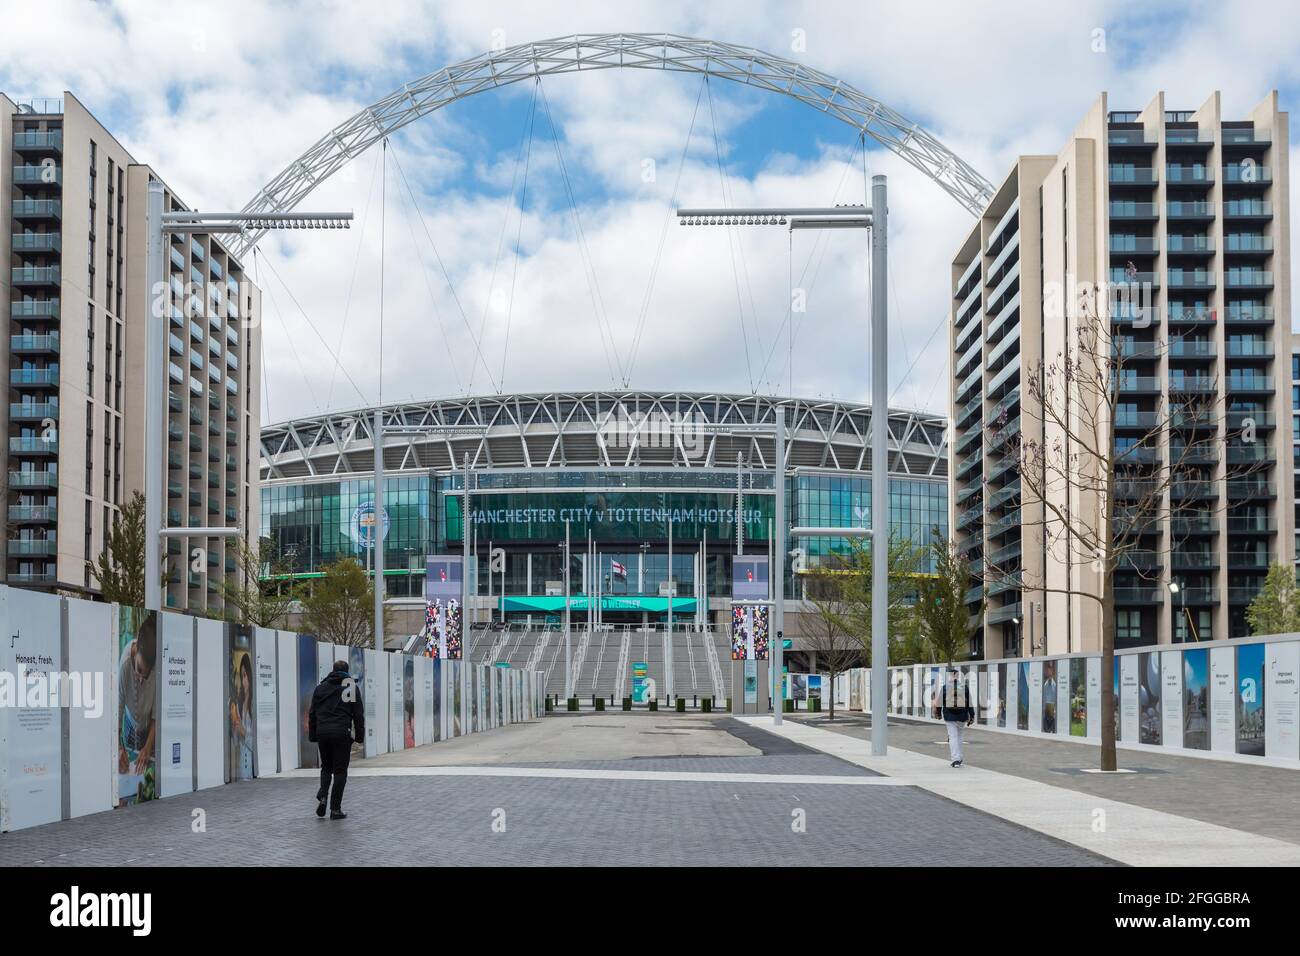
{"x": 681, "y": 791}
{"x": 1082, "y": 814}
{"x": 1258, "y": 799}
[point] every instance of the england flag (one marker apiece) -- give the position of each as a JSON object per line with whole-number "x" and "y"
{"x": 618, "y": 569}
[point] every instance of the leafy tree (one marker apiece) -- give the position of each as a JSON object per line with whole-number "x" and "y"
{"x": 119, "y": 569}
{"x": 258, "y": 594}
{"x": 904, "y": 572}
{"x": 941, "y": 602}
{"x": 1276, "y": 609}
{"x": 339, "y": 608}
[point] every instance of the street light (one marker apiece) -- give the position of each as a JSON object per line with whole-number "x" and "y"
{"x": 875, "y": 218}
{"x": 159, "y": 225}
{"x": 1177, "y": 590}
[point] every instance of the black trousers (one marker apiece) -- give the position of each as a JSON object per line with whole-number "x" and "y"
{"x": 334, "y": 756}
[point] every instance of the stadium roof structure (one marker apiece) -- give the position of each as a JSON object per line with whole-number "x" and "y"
{"x": 601, "y": 429}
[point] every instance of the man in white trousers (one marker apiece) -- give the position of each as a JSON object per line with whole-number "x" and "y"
{"x": 958, "y": 713}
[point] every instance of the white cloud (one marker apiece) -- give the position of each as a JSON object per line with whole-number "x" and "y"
{"x": 221, "y": 97}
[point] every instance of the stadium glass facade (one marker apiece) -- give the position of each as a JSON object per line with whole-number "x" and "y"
{"x": 626, "y": 513}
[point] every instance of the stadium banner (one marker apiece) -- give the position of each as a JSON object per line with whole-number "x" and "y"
{"x": 443, "y": 581}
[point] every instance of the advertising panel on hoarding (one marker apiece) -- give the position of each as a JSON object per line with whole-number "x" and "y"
{"x": 1129, "y": 697}
{"x": 176, "y": 765}
{"x": 1048, "y": 691}
{"x": 408, "y": 702}
{"x": 308, "y": 753}
{"x": 1196, "y": 700}
{"x": 1250, "y": 699}
{"x": 1171, "y": 698}
{"x": 443, "y": 624}
{"x": 1223, "y": 699}
{"x": 454, "y": 678}
{"x": 268, "y": 753}
{"x": 370, "y": 680}
{"x": 396, "y": 695}
{"x": 1093, "y": 712}
{"x": 1078, "y": 697}
{"x": 31, "y": 734}
{"x": 1022, "y": 696}
{"x": 798, "y": 686}
{"x": 814, "y": 686}
{"x": 439, "y": 727}
{"x": 243, "y": 691}
{"x": 1283, "y": 702}
{"x": 999, "y": 692}
{"x": 1149, "y": 686}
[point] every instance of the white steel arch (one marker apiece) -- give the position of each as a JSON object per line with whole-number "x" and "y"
{"x": 603, "y": 51}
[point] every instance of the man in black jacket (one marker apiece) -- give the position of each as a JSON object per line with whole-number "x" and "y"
{"x": 958, "y": 711}
{"x": 334, "y": 719}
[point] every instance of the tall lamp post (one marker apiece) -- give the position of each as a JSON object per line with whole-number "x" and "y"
{"x": 875, "y": 218}
{"x": 158, "y": 226}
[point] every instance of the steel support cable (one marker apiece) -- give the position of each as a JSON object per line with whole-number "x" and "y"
{"x": 818, "y": 250}
{"x": 584, "y": 252}
{"x": 293, "y": 350}
{"x": 735, "y": 273}
{"x": 669, "y": 216}
{"x": 312, "y": 325}
{"x": 525, "y": 136}
{"x": 383, "y": 239}
{"x": 451, "y": 287}
{"x": 356, "y": 264}
{"x": 433, "y": 304}
{"x": 519, "y": 235}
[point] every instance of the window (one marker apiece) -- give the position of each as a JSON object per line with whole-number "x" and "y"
{"x": 1128, "y": 627}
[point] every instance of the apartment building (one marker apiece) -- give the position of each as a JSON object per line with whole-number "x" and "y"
{"x": 1190, "y": 207}
{"x": 73, "y": 233}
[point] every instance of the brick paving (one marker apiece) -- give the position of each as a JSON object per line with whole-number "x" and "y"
{"x": 1256, "y": 799}
{"x": 438, "y": 820}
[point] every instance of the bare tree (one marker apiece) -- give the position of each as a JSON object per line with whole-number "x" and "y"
{"x": 262, "y": 591}
{"x": 830, "y": 633}
{"x": 1102, "y": 502}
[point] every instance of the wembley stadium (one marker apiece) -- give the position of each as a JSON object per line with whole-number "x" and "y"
{"x": 634, "y": 477}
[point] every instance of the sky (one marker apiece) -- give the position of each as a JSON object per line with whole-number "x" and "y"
{"x": 526, "y": 233}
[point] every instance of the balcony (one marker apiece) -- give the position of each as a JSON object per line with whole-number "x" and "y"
{"x": 43, "y": 478}
{"x": 1248, "y": 209}
{"x": 1243, "y": 314}
{"x": 32, "y": 547}
{"x": 1001, "y": 615}
{"x": 1248, "y": 243}
{"x": 1260, "y": 419}
{"x": 1131, "y": 139}
{"x": 39, "y": 175}
{"x": 37, "y": 209}
{"x": 1248, "y": 279}
{"x": 1250, "y": 454}
{"x": 1247, "y": 174}
{"x": 1132, "y": 176}
{"x": 39, "y": 141}
{"x": 1191, "y": 384}
{"x": 1198, "y": 596}
{"x": 1250, "y": 384}
{"x": 1193, "y": 245}
{"x": 1193, "y": 175}
{"x": 1248, "y": 348}
{"x": 1193, "y": 490}
{"x": 1130, "y": 596}
{"x": 1134, "y": 211}
{"x": 1194, "y": 561}
{"x": 1191, "y": 279}
{"x": 1189, "y": 137}
{"x": 1140, "y": 560}
{"x": 33, "y": 445}
{"x": 1139, "y": 385}
{"x": 1249, "y": 490}
{"x": 35, "y": 275}
{"x": 33, "y": 411}
{"x": 1190, "y": 315}
{"x": 1242, "y": 595}
{"x": 34, "y": 345}
{"x": 1185, "y": 210}
{"x": 1194, "y": 524}
{"x": 1134, "y": 245}
{"x": 1247, "y": 137}
{"x": 1137, "y": 455}
{"x": 1249, "y": 560}
{"x": 44, "y": 377}
{"x": 1191, "y": 349}
{"x": 33, "y": 514}
{"x": 1000, "y": 497}
{"x": 1193, "y": 455}
{"x": 1142, "y": 420}
{"x": 32, "y": 577}
{"x": 37, "y": 242}
{"x": 1256, "y": 524}
{"x": 1004, "y": 524}
{"x": 35, "y": 309}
